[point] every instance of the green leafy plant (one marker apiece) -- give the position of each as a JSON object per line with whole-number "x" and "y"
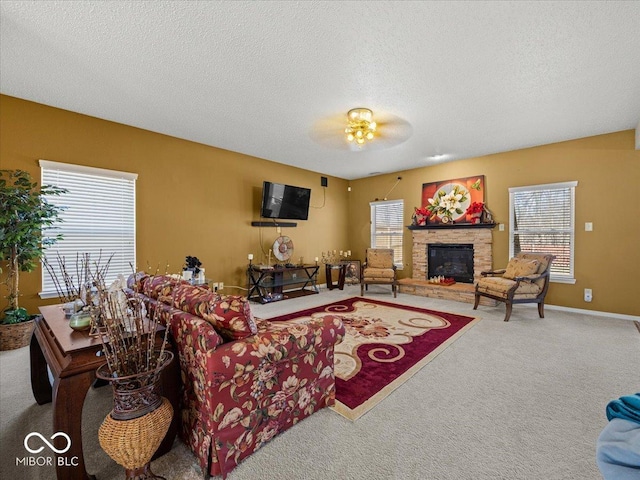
{"x": 24, "y": 212}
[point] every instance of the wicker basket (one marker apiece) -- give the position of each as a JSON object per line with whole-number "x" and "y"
{"x": 16, "y": 335}
{"x": 132, "y": 443}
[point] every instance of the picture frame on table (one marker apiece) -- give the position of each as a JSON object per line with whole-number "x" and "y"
{"x": 352, "y": 274}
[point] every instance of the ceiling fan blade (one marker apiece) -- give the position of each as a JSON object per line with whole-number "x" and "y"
{"x": 391, "y": 130}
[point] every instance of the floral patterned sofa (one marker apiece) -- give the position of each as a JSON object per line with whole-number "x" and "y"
{"x": 244, "y": 381}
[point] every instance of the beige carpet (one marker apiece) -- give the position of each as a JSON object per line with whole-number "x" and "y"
{"x": 517, "y": 400}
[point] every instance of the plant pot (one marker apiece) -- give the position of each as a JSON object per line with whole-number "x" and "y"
{"x": 16, "y": 335}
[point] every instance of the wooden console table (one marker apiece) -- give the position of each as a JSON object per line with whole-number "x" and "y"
{"x": 73, "y": 359}
{"x": 267, "y": 284}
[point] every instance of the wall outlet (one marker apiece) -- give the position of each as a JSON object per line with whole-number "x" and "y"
{"x": 588, "y": 295}
{"x": 501, "y": 227}
{"x": 588, "y": 227}
{"x": 215, "y": 286}
{"x": 221, "y": 286}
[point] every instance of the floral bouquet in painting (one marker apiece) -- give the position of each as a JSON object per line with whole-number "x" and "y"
{"x": 445, "y": 205}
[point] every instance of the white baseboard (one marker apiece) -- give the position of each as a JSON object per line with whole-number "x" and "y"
{"x": 596, "y": 313}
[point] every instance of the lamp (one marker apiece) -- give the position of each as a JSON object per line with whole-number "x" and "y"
{"x": 361, "y": 126}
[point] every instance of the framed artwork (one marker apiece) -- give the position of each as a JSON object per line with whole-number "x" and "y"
{"x": 352, "y": 274}
{"x": 447, "y": 201}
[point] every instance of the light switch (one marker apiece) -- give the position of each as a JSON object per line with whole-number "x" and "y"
{"x": 588, "y": 227}
{"x": 501, "y": 227}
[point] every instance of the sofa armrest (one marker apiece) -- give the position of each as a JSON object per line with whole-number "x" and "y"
{"x": 230, "y": 374}
{"x": 276, "y": 341}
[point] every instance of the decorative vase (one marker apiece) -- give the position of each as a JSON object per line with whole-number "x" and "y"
{"x": 419, "y": 220}
{"x": 132, "y": 432}
{"x": 475, "y": 217}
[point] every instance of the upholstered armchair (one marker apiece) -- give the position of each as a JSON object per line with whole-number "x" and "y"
{"x": 378, "y": 268}
{"x": 525, "y": 280}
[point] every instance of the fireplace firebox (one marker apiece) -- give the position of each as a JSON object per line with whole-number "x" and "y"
{"x": 450, "y": 260}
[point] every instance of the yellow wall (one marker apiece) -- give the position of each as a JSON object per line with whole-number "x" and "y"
{"x": 607, "y": 168}
{"x": 198, "y": 200}
{"x": 191, "y": 199}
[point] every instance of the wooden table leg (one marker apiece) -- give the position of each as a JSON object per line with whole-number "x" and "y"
{"x": 68, "y": 397}
{"x": 40, "y": 385}
{"x": 170, "y": 378}
{"x": 328, "y": 271}
{"x": 341, "y": 275}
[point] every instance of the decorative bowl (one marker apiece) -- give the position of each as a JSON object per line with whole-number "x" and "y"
{"x": 80, "y": 321}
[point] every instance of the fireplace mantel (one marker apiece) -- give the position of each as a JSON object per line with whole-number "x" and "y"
{"x": 440, "y": 226}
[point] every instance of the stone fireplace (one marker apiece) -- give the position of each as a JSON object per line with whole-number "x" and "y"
{"x": 474, "y": 238}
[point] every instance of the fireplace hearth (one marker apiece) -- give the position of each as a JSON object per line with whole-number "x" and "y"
{"x": 450, "y": 260}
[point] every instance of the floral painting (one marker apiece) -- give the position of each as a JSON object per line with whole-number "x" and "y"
{"x": 448, "y": 201}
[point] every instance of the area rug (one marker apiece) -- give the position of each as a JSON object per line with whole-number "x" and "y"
{"x": 385, "y": 344}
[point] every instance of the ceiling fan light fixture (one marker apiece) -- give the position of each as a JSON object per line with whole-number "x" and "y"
{"x": 361, "y": 126}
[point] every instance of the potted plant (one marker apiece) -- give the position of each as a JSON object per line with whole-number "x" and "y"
{"x": 192, "y": 264}
{"x": 24, "y": 212}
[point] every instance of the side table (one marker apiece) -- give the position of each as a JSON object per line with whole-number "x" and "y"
{"x": 73, "y": 359}
{"x": 341, "y": 269}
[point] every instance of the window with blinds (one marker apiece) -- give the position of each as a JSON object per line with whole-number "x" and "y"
{"x": 542, "y": 220}
{"x": 98, "y": 219}
{"x": 387, "y": 227}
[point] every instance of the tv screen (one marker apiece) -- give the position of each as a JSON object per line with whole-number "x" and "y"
{"x": 285, "y": 201}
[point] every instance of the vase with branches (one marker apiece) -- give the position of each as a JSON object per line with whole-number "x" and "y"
{"x": 140, "y": 417}
{"x": 74, "y": 284}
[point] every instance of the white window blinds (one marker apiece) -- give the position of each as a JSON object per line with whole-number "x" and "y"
{"x": 98, "y": 219}
{"x": 387, "y": 227}
{"x": 542, "y": 220}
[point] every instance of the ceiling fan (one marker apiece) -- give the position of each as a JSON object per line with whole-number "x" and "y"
{"x": 333, "y": 131}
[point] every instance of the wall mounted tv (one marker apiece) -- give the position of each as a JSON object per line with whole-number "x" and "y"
{"x": 285, "y": 201}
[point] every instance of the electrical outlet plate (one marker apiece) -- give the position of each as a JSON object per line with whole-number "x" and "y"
{"x": 501, "y": 227}
{"x": 220, "y": 286}
{"x": 588, "y": 295}
{"x": 588, "y": 227}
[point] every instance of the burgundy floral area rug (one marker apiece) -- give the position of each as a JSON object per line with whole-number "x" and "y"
{"x": 385, "y": 344}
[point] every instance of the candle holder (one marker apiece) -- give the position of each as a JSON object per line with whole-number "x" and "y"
{"x": 335, "y": 257}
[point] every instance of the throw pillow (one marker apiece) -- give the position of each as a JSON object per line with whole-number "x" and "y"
{"x": 519, "y": 267}
{"x": 231, "y": 316}
{"x": 136, "y": 281}
{"x": 193, "y": 299}
{"x": 379, "y": 258}
{"x": 160, "y": 286}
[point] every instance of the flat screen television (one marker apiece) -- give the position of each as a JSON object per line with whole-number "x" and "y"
{"x": 285, "y": 201}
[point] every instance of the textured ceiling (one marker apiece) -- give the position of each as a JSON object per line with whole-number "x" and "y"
{"x": 275, "y": 79}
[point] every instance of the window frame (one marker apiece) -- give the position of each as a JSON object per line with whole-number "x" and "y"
{"x": 127, "y": 192}
{"x": 568, "y": 278}
{"x": 399, "y": 263}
